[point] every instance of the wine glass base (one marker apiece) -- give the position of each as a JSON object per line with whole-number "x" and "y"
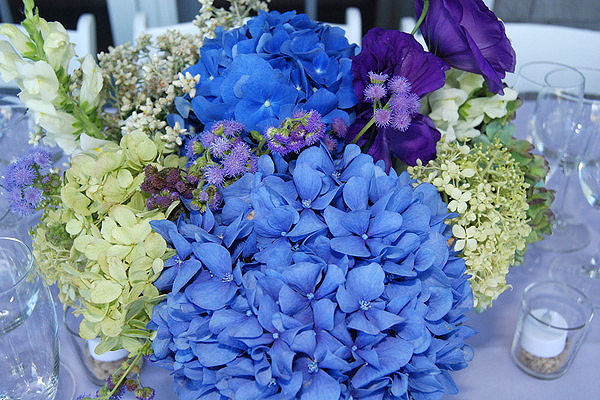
{"x": 66, "y": 383}
{"x": 581, "y": 271}
{"x": 566, "y": 238}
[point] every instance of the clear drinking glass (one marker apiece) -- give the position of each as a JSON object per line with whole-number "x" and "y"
{"x": 583, "y": 270}
{"x": 558, "y": 135}
{"x": 29, "y": 361}
{"x": 552, "y": 326}
{"x": 15, "y": 126}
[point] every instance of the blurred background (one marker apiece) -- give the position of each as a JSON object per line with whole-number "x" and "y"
{"x": 114, "y": 18}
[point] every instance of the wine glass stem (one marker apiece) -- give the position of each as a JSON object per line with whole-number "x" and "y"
{"x": 562, "y": 195}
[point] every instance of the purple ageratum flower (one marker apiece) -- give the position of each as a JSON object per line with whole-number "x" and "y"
{"x": 41, "y": 156}
{"x": 33, "y": 196}
{"x": 219, "y": 146}
{"x": 18, "y": 174}
{"x": 294, "y": 134}
{"x": 382, "y": 117}
{"x": 375, "y": 91}
{"x": 409, "y": 136}
{"x": 214, "y": 175}
{"x": 468, "y": 36}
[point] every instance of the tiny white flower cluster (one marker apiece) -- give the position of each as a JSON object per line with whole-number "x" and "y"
{"x": 239, "y": 11}
{"x": 187, "y": 83}
{"x": 172, "y": 137}
{"x": 459, "y": 107}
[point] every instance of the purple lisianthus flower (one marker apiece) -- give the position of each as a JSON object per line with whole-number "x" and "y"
{"x": 469, "y": 37}
{"x": 412, "y": 73}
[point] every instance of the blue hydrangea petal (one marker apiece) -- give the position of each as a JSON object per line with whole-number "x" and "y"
{"x": 366, "y": 282}
{"x": 188, "y": 269}
{"x": 356, "y": 193}
{"x": 322, "y": 387}
{"x": 350, "y": 245}
{"x": 308, "y": 183}
{"x": 211, "y": 294}
{"x": 214, "y": 354}
{"x": 215, "y": 257}
{"x": 440, "y": 302}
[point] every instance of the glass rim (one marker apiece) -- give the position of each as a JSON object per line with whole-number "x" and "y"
{"x": 585, "y": 99}
{"x": 29, "y": 265}
{"x": 564, "y": 285}
{"x": 544, "y": 83}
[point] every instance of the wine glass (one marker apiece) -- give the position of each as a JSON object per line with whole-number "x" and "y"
{"x": 583, "y": 270}
{"x": 29, "y": 362}
{"x": 557, "y": 134}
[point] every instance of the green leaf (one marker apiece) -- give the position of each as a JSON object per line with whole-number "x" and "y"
{"x": 107, "y": 344}
{"x": 105, "y": 292}
{"x": 88, "y": 330}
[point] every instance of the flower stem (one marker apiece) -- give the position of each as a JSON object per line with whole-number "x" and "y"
{"x": 421, "y": 18}
{"x": 363, "y": 130}
{"x": 143, "y": 350}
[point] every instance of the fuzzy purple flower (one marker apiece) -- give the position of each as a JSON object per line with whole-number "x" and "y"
{"x": 414, "y": 73}
{"x": 382, "y": 117}
{"x": 339, "y": 127}
{"x": 33, "y": 196}
{"x": 294, "y": 134}
{"x": 214, "y": 175}
{"x": 400, "y": 85}
{"x": 374, "y": 92}
{"x": 468, "y": 36}
{"x": 207, "y": 139}
{"x": 219, "y": 146}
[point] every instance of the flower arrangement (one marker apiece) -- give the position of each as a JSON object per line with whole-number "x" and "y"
{"x": 270, "y": 212}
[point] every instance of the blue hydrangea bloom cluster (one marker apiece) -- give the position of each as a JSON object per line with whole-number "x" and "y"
{"x": 319, "y": 279}
{"x": 24, "y": 181}
{"x": 262, "y": 72}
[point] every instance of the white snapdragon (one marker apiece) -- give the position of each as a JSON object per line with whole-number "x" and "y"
{"x": 17, "y": 38}
{"x": 57, "y": 45}
{"x": 8, "y": 61}
{"x": 456, "y": 114}
{"x": 444, "y": 103}
{"x": 38, "y": 80}
{"x": 87, "y": 143}
{"x": 92, "y": 82}
{"x": 493, "y": 107}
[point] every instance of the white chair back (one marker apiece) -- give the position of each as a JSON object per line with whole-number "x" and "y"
{"x": 352, "y": 26}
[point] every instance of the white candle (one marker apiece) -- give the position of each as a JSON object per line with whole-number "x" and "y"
{"x": 543, "y": 339}
{"x": 108, "y": 356}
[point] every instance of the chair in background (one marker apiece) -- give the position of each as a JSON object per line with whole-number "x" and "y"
{"x": 352, "y": 26}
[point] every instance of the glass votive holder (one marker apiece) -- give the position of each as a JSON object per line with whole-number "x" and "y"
{"x": 553, "y": 322}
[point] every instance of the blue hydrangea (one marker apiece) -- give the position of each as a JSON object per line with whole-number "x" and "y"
{"x": 262, "y": 72}
{"x": 320, "y": 279}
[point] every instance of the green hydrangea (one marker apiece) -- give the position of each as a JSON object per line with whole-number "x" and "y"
{"x": 486, "y": 187}
{"x": 98, "y": 246}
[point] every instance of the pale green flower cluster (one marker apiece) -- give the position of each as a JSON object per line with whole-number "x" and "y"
{"x": 460, "y": 107}
{"x": 99, "y": 246}
{"x": 486, "y": 187}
